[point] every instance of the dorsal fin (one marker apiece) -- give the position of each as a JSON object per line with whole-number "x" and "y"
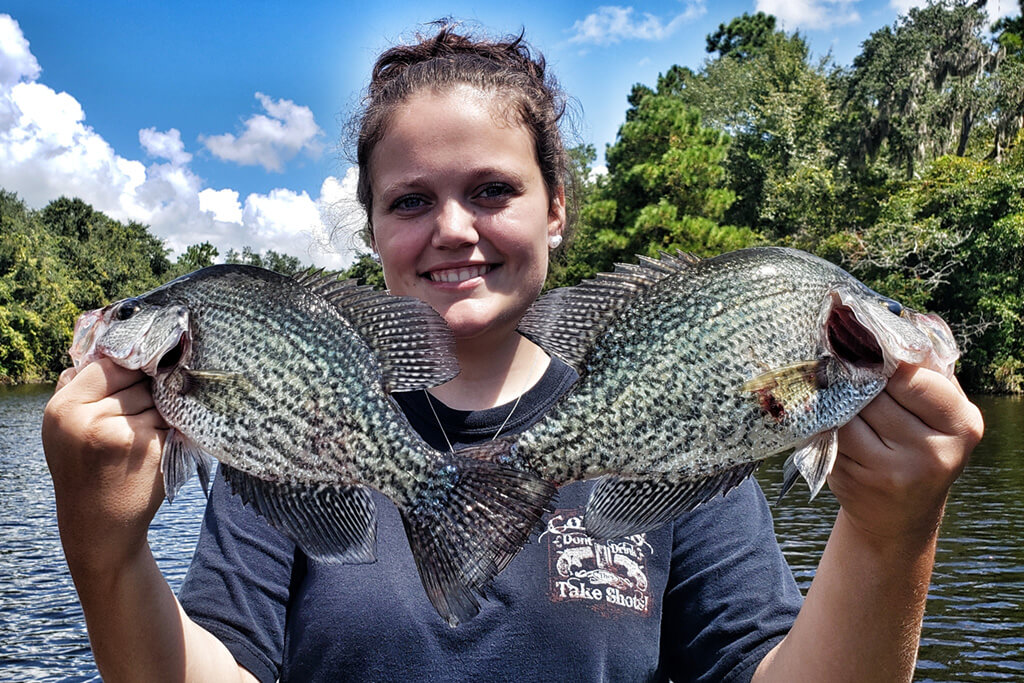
{"x": 566, "y": 321}
{"x": 413, "y": 344}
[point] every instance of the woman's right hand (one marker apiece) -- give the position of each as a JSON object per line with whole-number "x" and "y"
{"x": 103, "y": 437}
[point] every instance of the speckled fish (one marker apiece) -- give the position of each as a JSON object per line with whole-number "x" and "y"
{"x": 286, "y": 382}
{"x": 693, "y": 371}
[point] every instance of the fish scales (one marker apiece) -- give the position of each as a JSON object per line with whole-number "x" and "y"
{"x": 287, "y": 381}
{"x": 321, "y": 419}
{"x": 712, "y": 366}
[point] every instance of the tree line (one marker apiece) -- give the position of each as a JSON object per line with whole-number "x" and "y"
{"x": 905, "y": 167}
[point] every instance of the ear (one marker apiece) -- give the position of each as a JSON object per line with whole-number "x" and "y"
{"x": 556, "y": 212}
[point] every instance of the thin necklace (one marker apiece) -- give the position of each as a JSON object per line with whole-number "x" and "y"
{"x": 515, "y": 405}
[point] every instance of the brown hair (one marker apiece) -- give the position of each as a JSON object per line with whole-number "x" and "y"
{"x": 504, "y": 66}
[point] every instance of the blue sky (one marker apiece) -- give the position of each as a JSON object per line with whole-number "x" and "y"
{"x": 224, "y": 121}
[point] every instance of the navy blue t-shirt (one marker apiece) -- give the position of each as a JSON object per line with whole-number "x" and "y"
{"x": 701, "y": 599}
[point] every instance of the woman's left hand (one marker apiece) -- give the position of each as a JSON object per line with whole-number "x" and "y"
{"x": 900, "y": 455}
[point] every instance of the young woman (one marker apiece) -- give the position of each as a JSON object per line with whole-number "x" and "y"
{"x": 462, "y": 175}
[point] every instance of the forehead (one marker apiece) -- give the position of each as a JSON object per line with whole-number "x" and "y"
{"x": 464, "y": 124}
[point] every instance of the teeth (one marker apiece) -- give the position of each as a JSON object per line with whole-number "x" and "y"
{"x": 459, "y": 274}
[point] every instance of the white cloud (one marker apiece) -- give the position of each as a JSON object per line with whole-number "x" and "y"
{"x": 613, "y": 24}
{"x": 221, "y": 204}
{"x": 47, "y": 150}
{"x": 810, "y": 14}
{"x": 269, "y": 141}
{"x": 16, "y": 61}
{"x": 164, "y": 145}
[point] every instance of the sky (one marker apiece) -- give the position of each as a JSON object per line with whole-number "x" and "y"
{"x": 226, "y": 121}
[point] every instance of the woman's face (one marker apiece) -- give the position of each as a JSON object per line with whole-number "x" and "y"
{"x": 461, "y": 215}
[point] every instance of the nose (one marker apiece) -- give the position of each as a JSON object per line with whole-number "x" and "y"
{"x": 454, "y": 226}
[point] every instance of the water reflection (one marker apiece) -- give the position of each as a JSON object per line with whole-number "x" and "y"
{"x": 974, "y": 627}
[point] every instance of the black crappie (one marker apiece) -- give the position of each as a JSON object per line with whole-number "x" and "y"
{"x": 286, "y": 382}
{"x": 693, "y": 371}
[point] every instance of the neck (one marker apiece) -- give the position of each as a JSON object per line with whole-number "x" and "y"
{"x": 490, "y": 376}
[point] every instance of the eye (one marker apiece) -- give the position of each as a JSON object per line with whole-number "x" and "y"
{"x": 409, "y": 202}
{"x": 494, "y": 191}
{"x": 894, "y": 307}
{"x": 127, "y": 309}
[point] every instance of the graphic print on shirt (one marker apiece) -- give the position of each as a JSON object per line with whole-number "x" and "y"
{"x": 611, "y": 576}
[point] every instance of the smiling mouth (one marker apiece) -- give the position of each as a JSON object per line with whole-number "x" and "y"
{"x": 459, "y": 274}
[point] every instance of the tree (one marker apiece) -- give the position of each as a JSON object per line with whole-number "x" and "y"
{"x": 743, "y": 37}
{"x": 917, "y": 89}
{"x": 664, "y": 191}
{"x": 1008, "y": 82}
{"x": 271, "y": 260}
{"x": 195, "y": 257}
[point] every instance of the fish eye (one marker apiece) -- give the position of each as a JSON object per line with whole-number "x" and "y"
{"x": 127, "y": 309}
{"x": 894, "y": 307}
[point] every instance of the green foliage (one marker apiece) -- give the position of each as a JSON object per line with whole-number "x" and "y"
{"x": 918, "y": 88}
{"x": 665, "y": 190}
{"x": 271, "y": 260}
{"x": 67, "y": 258}
{"x": 906, "y": 167}
{"x": 195, "y": 257}
{"x": 953, "y": 242}
{"x": 367, "y": 271}
{"x": 743, "y": 37}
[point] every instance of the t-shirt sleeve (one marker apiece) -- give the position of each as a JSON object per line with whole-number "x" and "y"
{"x": 237, "y": 587}
{"x": 731, "y": 596}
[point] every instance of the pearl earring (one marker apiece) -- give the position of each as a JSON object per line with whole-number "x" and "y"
{"x": 554, "y": 241}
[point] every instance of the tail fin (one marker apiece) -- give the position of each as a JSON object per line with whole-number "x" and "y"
{"x": 464, "y": 530}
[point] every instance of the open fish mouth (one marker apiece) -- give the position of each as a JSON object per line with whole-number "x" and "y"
{"x": 850, "y": 341}
{"x": 173, "y": 357}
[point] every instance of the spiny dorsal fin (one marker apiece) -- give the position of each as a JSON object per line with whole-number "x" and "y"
{"x": 413, "y": 344}
{"x": 566, "y": 321}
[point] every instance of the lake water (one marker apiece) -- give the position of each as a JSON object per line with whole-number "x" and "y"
{"x": 973, "y": 630}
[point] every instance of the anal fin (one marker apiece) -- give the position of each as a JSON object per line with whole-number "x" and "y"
{"x": 624, "y": 507}
{"x": 330, "y": 523}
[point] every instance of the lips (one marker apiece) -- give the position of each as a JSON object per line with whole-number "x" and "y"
{"x": 460, "y": 274}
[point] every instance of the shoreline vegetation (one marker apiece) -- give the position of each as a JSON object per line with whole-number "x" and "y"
{"x": 905, "y": 168}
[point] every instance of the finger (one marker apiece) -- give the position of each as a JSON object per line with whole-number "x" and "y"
{"x": 103, "y": 378}
{"x": 859, "y": 442}
{"x": 892, "y": 422}
{"x": 931, "y": 397}
{"x": 65, "y": 377}
{"x": 131, "y": 400}
{"x": 149, "y": 421}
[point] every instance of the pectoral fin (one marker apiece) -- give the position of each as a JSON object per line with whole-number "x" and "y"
{"x": 781, "y": 390}
{"x": 217, "y": 389}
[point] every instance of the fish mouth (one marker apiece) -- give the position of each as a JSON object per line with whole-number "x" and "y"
{"x": 173, "y": 357}
{"x": 850, "y": 341}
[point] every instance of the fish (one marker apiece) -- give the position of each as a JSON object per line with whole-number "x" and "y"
{"x": 693, "y": 371}
{"x": 286, "y": 381}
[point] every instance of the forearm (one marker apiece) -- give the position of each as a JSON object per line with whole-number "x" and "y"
{"x": 138, "y": 630}
{"x": 861, "y": 620}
